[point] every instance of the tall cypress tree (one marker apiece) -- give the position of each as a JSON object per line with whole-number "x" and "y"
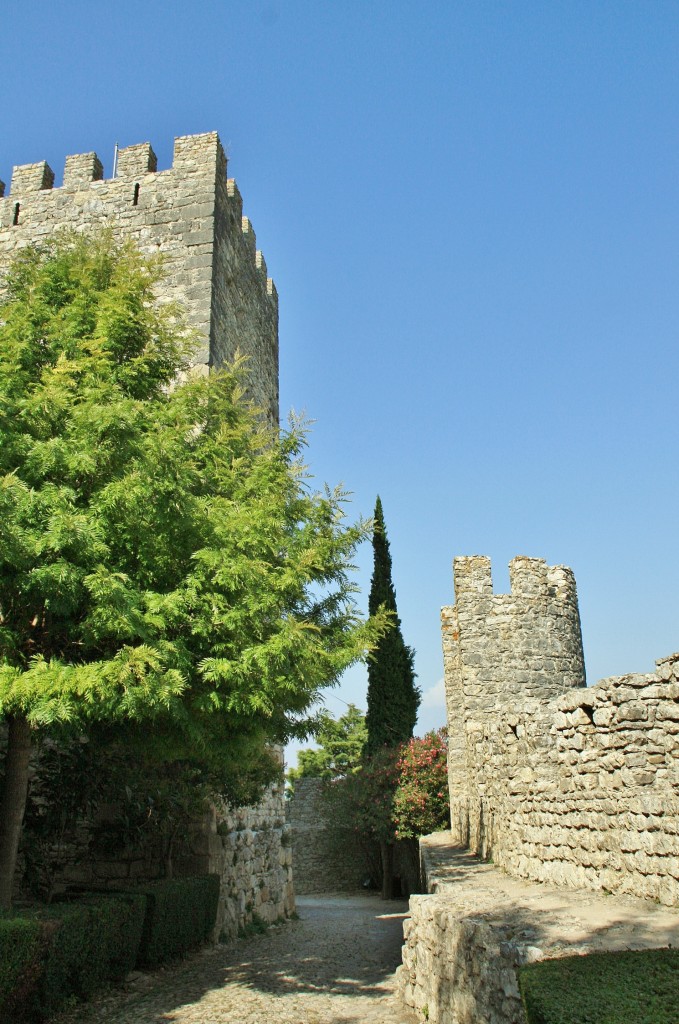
{"x": 393, "y": 698}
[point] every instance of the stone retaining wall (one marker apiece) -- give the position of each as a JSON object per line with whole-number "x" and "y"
{"x": 248, "y": 847}
{"x": 466, "y": 940}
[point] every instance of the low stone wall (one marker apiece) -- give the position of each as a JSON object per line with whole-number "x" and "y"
{"x": 467, "y": 938}
{"x": 249, "y": 848}
{"x": 583, "y": 790}
{"x": 326, "y": 856}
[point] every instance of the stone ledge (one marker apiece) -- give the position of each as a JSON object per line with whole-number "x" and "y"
{"x": 467, "y": 938}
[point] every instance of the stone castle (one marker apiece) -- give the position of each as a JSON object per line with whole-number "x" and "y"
{"x": 192, "y": 215}
{"x": 551, "y": 781}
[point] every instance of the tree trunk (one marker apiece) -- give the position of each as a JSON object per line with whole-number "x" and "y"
{"x": 13, "y": 803}
{"x": 387, "y": 856}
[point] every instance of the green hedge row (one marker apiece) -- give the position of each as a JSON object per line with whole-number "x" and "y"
{"x": 634, "y": 987}
{"x": 22, "y": 945}
{"x": 180, "y": 914}
{"x": 71, "y": 949}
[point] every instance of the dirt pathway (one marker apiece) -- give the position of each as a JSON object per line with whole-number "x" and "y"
{"x": 335, "y": 965}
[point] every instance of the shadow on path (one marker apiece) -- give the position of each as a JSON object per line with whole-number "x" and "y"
{"x": 333, "y": 966}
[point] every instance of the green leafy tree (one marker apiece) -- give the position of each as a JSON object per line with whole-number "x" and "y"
{"x": 341, "y": 745}
{"x": 163, "y": 562}
{"x": 393, "y": 697}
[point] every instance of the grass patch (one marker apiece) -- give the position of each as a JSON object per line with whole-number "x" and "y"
{"x": 630, "y": 987}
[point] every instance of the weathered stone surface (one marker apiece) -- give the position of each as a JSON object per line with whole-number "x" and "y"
{"x": 189, "y": 214}
{"x": 535, "y": 756}
{"x": 322, "y": 862}
{"x": 466, "y": 939}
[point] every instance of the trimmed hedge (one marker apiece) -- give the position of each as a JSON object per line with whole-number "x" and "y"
{"x": 180, "y": 914}
{"x": 634, "y": 987}
{"x": 71, "y": 949}
{"x": 64, "y": 950}
{"x": 96, "y": 941}
{"x": 22, "y": 945}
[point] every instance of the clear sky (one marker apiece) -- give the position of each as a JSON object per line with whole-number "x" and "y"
{"x": 471, "y": 212}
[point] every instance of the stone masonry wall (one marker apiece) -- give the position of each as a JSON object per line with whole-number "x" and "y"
{"x": 467, "y": 939}
{"x": 554, "y": 781}
{"x": 190, "y": 215}
{"x": 248, "y": 847}
{"x": 324, "y": 860}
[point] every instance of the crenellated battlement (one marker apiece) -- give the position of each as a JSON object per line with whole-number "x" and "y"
{"x": 554, "y": 780}
{"x": 528, "y": 577}
{"x": 192, "y": 215}
{"x": 193, "y": 155}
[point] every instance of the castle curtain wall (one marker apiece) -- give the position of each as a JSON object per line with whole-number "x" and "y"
{"x": 553, "y": 780}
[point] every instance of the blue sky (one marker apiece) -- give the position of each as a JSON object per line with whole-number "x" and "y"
{"x": 471, "y": 212}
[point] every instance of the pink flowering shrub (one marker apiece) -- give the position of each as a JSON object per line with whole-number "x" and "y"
{"x": 365, "y": 800}
{"x": 420, "y": 802}
{"x": 399, "y": 793}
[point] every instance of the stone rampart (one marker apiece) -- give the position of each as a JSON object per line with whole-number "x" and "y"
{"x": 557, "y": 782}
{"x": 466, "y": 940}
{"x": 248, "y": 847}
{"x": 192, "y": 216}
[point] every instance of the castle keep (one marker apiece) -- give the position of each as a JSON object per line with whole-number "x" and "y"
{"x": 191, "y": 215}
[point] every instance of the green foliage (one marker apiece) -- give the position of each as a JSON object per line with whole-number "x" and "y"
{"x": 399, "y": 793}
{"x": 96, "y": 940}
{"x": 341, "y": 745}
{"x": 637, "y": 987}
{"x": 365, "y": 800}
{"x": 256, "y": 926}
{"x": 68, "y": 950}
{"x": 164, "y": 564}
{"x": 421, "y": 801}
{"x": 21, "y": 966}
{"x": 161, "y": 556}
{"x": 180, "y": 914}
{"x": 393, "y": 698}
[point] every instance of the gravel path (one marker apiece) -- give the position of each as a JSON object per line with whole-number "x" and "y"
{"x": 335, "y": 965}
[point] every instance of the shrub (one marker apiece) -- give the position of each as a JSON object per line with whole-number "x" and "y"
{"x": 96, "y": 940}
{"x": 421, "y": 802}
{"x": 21, "y": 965}
{"x": 637, "y": 987}
{"x": 180, "y": 914}
{"x": 119, "y": 918}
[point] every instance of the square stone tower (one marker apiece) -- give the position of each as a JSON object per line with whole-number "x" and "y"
{"x": 192, "y": 215}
